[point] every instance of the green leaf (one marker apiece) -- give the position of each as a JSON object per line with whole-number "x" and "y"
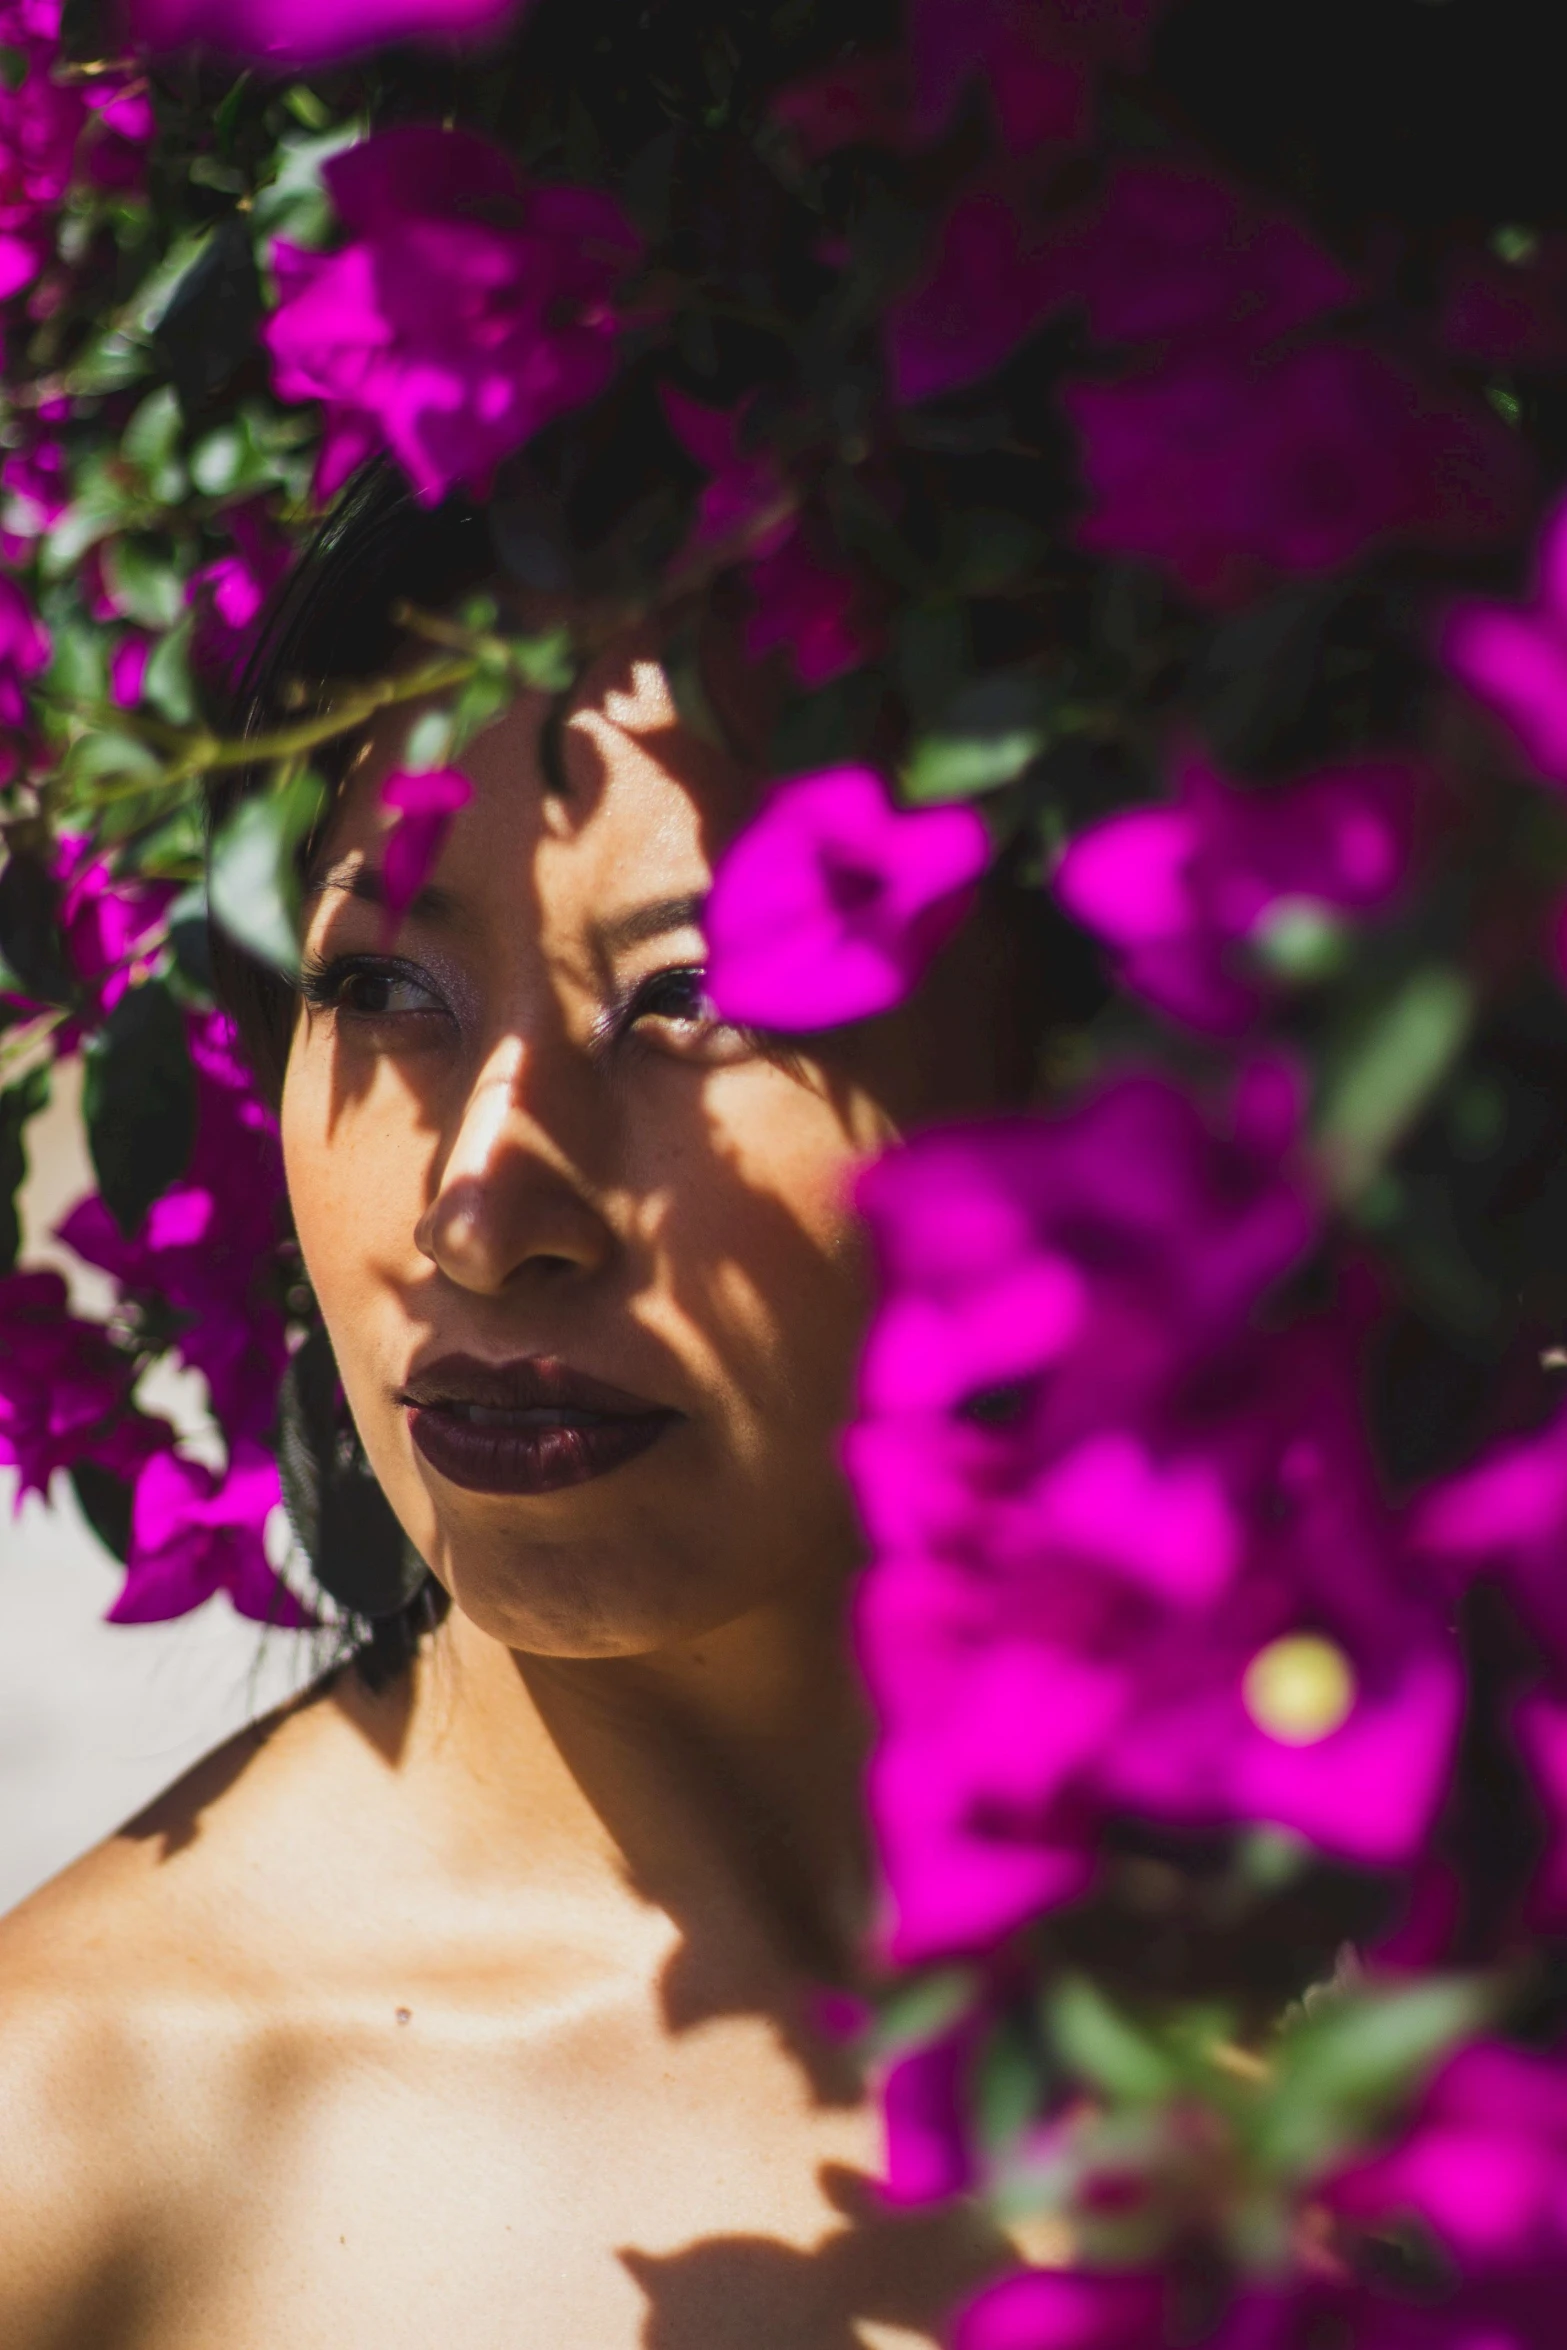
{"x": 428, "y": 743}
{"x": 295, "y": 204}
{"x": 105, "y": 1502}
{"x": 481, "y": 700}
{"x": 986, "y": 737}
{"x": 109, "y": 361}
{"x": 144, "y": 584}
{"x": 166, "y": 681}
{"x": 78, "y": 662}
{"x": 103, "y": 503}
{"x": 934, "y": 658}
{"x": 1394, "y": 1068}
{"x": 106, "y": 753}
{"x": 190, "y": 940}
{"x": 1351, "y": 2060}
{"x": 1008, "y": 2088}
{"x": 144, "y": 312}
{"x": 829, "y": 727}
{"x": 253, "y": 888}
{"x": 545, "y": 662}
{"x": 153, "y": 434}
{"x": 18, "y": 1103}
{"x": 30, "y": 942}
{"x": 139, "y": 1102}
{"x": 1104, "y": 2047}
{"x": 921, "y": 2010}
{"x": 990, "y": 548}
{"x": 207, "y": 329}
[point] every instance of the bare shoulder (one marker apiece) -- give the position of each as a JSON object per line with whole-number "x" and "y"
{"x": 131, "y": 1998}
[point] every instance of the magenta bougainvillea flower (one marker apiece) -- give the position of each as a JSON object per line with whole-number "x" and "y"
{"x": 128, "y": 670}
{"x": 812, "y": 606}
{"x": 53, "y": 132}
{"x": 1479, "y": 2171}
{"x": 284, "y": 33}
{"x": 1068, "y": 2309}
{"x": 1539, "y": 1725}
{"x": 1483, "y": 2162}
{"x": 1507, "y": 1515}
{"x": 1168, "y": 256}
{"x": 466, "y": 310}
{"x": 1172, "y": 252}
{"x": 1228, "y": 471}
{"x": 24, "y": 651}
{"x": 424, "y": 808}
{"x": 40, "y": 122}
{"x": 107, "y": 920}
{"x": 831, "y": 905}
{"x": 1038, "y": 59}
{"x": 64, "y": 1389}
{"x": 1099, "y": 1497}
{"x": 747, "y": 498}
{"x": 1515, "y": 658}
{"x": 1509, "y": 313}
{"x": 994, "y": 277}
{"x": 36, "y": 491}
{"x": 802, "y": 599}
{"x": 1179, "y": 892}
{"x": 194, "y": 1533}
{"x": 1508, "y": 1512}
{"x": 924, "y": 2105}
{"x": 228, "y": 596}
{"x": 209, "y": 1247}
{"x": 865, "y": 101}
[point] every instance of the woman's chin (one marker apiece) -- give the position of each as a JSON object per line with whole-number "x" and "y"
{"x": 591, "y": 1599}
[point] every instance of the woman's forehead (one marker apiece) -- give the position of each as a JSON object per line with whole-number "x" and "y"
{"x": 625, "y": 791}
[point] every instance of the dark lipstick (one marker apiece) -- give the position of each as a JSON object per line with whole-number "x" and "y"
{"x": 531, "y": 1426}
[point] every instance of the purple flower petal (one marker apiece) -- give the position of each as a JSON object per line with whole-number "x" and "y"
{"x": 283, "y": 33}
{"x": 466, "y": 312}
{"x": 833, "y": 903}
{"x": 425, "y": 807}
{"x": 1063, "y": 2309}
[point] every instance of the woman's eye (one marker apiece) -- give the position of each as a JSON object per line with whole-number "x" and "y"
{"x": 671, "y": 1009}
{"x": 368, "y": 990}
{"x": 671, "y": 995}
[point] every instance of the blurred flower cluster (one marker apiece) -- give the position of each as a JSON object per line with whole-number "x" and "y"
{"x": 1153, "y": 548}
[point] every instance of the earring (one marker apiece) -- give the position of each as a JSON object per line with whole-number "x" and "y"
{"x": 342, "y": 1520}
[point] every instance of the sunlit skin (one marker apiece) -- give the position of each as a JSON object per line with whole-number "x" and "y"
{"x": 481, "y": 2012}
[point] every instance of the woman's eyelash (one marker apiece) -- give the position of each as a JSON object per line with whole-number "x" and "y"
{"x": 676, "y": 994}
{"x": 324, "y": 982}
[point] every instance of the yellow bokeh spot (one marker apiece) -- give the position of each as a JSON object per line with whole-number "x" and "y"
{"x": 1299, "y": 1689}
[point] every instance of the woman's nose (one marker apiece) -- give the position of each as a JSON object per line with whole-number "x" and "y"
{"x": 508, "y": 1201}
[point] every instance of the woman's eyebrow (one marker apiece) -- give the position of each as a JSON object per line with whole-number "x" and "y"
{"x": 650, "y": 921}
{"x": 363, "y": 881}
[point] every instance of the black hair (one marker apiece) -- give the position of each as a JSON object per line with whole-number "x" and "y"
{"x": 333, "y": 621}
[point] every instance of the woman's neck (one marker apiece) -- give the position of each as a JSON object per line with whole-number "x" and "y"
{"x": 719, "y": 1782}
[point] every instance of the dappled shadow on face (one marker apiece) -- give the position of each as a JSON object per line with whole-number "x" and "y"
{"x": 111, "y": 2303}
{"x": 905, "y": 2271}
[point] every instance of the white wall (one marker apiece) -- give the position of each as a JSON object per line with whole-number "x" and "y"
{"x": 96, "y": 1717}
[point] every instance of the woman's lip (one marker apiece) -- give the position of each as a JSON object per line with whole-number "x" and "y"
{"x": 527, "y": 1382}
{"x": 532, "y": 1449}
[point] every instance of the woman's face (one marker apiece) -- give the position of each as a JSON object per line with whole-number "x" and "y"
{"x": 587, "y": 1257}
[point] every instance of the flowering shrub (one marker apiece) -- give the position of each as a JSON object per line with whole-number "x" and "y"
{"x": 1165, "y": 512}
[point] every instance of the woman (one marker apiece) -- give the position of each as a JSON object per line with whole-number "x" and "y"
{"x": 477, "y": 2004}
